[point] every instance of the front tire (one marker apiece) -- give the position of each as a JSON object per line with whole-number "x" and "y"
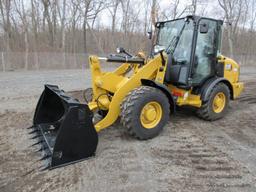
{"x": 144, "y": 112}
{"x": 215, "y": 107}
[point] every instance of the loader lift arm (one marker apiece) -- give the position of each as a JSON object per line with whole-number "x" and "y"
{"x": 120, "y": 86}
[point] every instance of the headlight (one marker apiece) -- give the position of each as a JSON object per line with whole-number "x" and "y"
{"x": 118, "y": 50}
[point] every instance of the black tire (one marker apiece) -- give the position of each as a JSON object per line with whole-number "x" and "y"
{"x": 206, "y": 111}
{"x": 132, "y": 106}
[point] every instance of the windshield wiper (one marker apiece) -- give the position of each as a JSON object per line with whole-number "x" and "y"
{"x": 171, "y": 44}
{"x": 174, "y": 41}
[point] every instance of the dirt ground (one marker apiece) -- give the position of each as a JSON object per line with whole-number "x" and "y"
{"x": 189, "y": 155}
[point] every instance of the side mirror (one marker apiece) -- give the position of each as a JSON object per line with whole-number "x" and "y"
{"x": 204, "y": 27}
{"x": 149, "y": 34}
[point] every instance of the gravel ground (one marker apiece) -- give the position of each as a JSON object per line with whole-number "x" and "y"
{"x": 189, "y": 155}
{"x": 25, "y": 87}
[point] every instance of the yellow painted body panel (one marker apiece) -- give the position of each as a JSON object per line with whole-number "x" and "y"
{"x": 117, "y": 84}
{"x": 122, "y": 69}
{"x": 187, "y": 97}
{"x": 231, "y": 69}
{"x": 231, "y": 73}
{"x": 237, "y": 89}
{"x": 111, "y": 82}
{"x": 191, "y": 99}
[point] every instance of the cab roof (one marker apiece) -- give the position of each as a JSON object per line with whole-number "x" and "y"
{"x": 193, "y": 17}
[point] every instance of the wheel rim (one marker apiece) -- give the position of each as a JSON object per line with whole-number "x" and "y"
{"x": 151, "y": 115}
{"x": 219, "y": 102}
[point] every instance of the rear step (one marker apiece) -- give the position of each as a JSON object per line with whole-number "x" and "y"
{"x": 64, "y": 129}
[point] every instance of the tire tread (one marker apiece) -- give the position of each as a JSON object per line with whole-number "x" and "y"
{"x": 128, "y": 105}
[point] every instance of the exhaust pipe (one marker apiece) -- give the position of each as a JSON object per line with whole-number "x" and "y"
{"x": 64, "y": 129}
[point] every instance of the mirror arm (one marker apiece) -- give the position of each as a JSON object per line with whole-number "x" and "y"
{"x": 128, "y": 54}
{"x": 162, "y": 57}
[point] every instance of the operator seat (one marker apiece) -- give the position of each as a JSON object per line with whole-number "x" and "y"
{"x": 176, "y": 73}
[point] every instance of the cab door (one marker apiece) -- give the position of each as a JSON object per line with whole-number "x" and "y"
{"x": 206, "y": 47}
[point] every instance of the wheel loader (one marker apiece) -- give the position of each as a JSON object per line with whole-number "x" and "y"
{"x": 185, "y": 68}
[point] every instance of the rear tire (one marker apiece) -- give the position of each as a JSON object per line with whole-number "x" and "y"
{"x": 144, "y": 112}
{"x": 215, "y": 107}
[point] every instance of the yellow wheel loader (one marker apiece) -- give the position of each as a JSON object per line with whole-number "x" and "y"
{"x": 185, "y": 68}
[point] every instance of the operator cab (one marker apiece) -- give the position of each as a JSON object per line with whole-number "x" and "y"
{"x": 192, "y": 44}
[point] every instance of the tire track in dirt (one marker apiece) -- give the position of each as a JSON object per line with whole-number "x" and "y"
{"x": 206, "y": 167}
{"x": 235, "y": 137}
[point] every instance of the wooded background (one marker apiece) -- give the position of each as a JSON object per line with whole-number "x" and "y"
{"x": 59, "y": 34}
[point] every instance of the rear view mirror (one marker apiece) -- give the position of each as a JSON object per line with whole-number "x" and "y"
{"x": 204, "y": 27}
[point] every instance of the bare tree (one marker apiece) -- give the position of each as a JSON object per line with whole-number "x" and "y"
{"x": 113, "y": 11}
{"x": 252, "y": 14}
{"x": 75, "y": 16}
{"x": 146, "y": 17}
{"x": 252, "y": 18}
{"x": 5, "y": 9}
{"x": 125, "y": 22}
{"x": 35, "y": 25}
{"x": 173, "y": 11}
{"x": 233, "y": 10}
{"x": 89, "y": 9}
{"x": 50, "y": 15}
{"x": 62, "y": 15}
{"x": 194, "y": 6}
{"x": 20, "y": 9}
{"x": 153, "y": 20}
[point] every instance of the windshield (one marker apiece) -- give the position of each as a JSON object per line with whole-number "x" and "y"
{"x": 176, "y": 37}
{"x": 169, "y": 30}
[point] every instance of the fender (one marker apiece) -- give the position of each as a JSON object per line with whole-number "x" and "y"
{"x": 209, "y": 84}
{"x": 163, "y": 88}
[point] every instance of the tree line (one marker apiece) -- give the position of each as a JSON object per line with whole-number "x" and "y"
{"x": 99, "y": 26}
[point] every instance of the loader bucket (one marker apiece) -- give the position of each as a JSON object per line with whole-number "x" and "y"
{"x": 64, "y": 128}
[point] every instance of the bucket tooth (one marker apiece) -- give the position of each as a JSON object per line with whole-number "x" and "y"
{"x": 31, "y": 127}
{"x": 35, "y": 137}
{"x": 44, "y": 168}
{"x": 37, "y": 143}
{"x": 34, "y": 131}
{"x": 45, "y": 157}
{"x": 41, "y": 149}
